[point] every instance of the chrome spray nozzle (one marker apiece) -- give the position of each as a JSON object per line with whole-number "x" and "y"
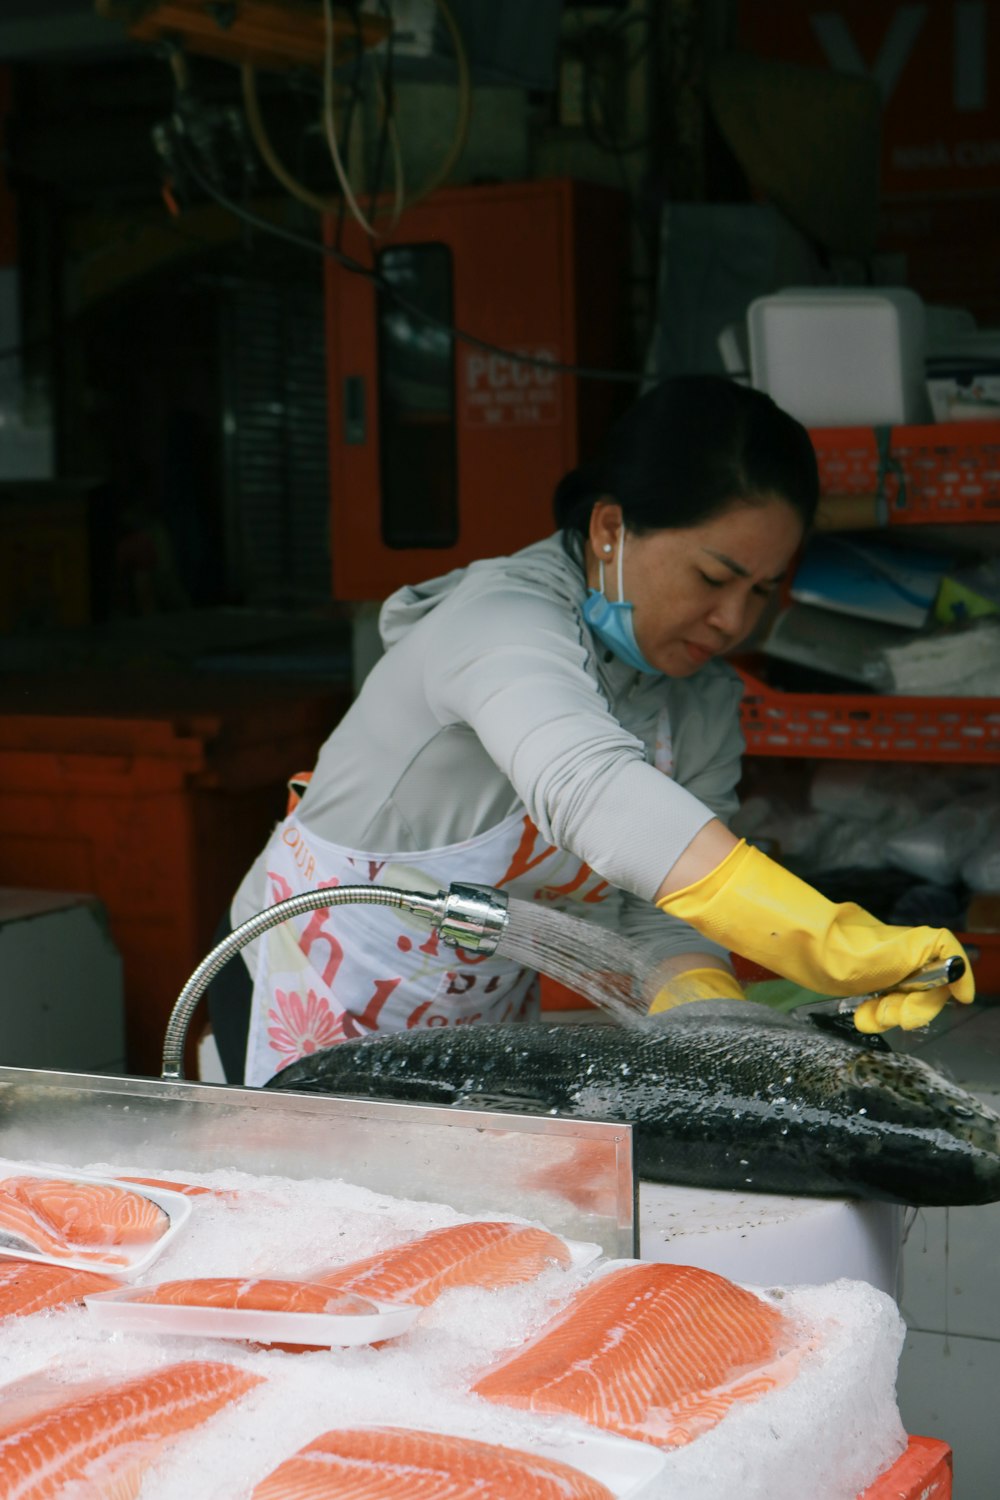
{"x": 474, "y": 918}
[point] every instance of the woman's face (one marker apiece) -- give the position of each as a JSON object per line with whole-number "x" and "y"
{"x": 697, "y": 592}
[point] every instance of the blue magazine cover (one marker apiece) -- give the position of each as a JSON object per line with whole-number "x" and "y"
{"x": 895, "y": 585}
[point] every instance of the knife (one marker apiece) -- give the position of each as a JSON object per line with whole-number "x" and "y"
{"x": 930, "y": 977}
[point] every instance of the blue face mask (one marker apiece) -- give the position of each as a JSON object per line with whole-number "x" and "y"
{"x": 612, "y": 622}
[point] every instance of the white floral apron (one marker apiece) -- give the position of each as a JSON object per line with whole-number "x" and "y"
{"x": 346, "y": 971}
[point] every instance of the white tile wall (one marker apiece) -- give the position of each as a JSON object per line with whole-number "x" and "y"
{"x": 949, "y": 1375}
{"x": 947, "y": 1388}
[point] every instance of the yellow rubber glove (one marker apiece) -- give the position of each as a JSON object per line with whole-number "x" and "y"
{"x": 755, "y": 907}
{"x": 906, "y": 1010}
{"x": 696, "y": 984}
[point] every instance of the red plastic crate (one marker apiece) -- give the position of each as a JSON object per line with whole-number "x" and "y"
{"x": 847, "y": 726}
{"x": 922, "y": 1472}
{"x": 158, "y": 811}
{"x": 943, "y": 473}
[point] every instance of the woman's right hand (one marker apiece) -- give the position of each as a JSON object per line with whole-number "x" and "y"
{"x": 755, "y": 907}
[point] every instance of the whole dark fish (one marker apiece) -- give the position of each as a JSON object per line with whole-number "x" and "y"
{"x": 720, "y": 1095}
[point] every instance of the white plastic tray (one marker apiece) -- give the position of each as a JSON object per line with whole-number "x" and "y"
{"x": 581, "y": 1252}
{"x": 136, "y": 1258}
{"x": 120, "y": 1311}
{"x": 626, "y": 1467}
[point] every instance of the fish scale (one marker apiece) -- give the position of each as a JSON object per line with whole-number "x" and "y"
{"x": 720, "y": 1095}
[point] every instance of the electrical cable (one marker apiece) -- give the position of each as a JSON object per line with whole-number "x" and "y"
{"x": 385, "y": 87}
{"x": 300, "y": 241}
{"x": 325, "y": 205}
{"x": 350, "y": 108}
{"x": 595, "y": 50}
{"x": 329, "y": 124}
{"x": 461, "y": 131}
{"x": 251, "y": 105}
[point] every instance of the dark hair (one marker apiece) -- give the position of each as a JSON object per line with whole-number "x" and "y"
{"x": 686, "y": 450}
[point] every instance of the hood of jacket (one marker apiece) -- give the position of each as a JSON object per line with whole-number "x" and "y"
{"x": 547, "y": 563}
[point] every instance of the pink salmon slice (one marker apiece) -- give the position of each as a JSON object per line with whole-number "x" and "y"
{"x": 374, "y": 1462}
{"x": 29, "y": 1286}
{"x": 650, "y": 1351}
{"x": 262, "y": 1295}
{"x": 186, "y": 1188}
{"x": 100, "y": 1436}
{"x": 479, "y": 1253}
{"x": 53, "y": 1216}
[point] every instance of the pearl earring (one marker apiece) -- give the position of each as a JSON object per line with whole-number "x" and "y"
{"x": 607, "y": 547}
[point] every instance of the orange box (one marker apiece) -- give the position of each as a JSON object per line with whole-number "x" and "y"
{"x": 922, "y": 1472}
{"x": 158, "y": 811}
{"x": 940, "y": 473}
{"x": 867, "y": 726}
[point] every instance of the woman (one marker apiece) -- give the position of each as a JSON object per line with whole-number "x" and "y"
{"x": 558, "y": 723}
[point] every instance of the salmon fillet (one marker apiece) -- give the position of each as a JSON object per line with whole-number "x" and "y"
{"x": 371, "y": 1463}
{"x": 103, "y": 1435}
{"x": 263, "y": 1295}
{"x": 650, "y": 1351}
{"x": 77, "y": 1219}
{"x": 480, "y": 1253}
{"x": 28, "y": 1286}
{"x": 188, "y": 1189}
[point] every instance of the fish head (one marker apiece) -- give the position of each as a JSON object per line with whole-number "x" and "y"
{"x": 880, "y": 1123}
{"x": 939, "y": 1142}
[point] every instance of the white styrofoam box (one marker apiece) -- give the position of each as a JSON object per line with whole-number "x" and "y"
{"x": 765, "y": 1239}
{"x": 841, "y": 356}
{"x": 61, "y": 990}
{"x": 963, "y": 376}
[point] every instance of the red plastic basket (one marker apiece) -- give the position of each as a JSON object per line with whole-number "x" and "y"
{"x": 844, "y": 726}
{"x": 944, "y": 473}
{"x": 922, "y": 1472}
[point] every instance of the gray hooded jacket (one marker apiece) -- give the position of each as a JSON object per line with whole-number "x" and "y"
{"x": 492, "y": 696}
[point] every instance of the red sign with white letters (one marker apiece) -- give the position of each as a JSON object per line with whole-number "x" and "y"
{"x": 938, "y": 70}
{"x": 496, "y": 391}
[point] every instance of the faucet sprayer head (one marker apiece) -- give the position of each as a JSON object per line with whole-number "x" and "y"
{"x": 474, "y": 917}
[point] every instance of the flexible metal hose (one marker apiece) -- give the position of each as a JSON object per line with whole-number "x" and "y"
{"x": 469, "y": 916}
